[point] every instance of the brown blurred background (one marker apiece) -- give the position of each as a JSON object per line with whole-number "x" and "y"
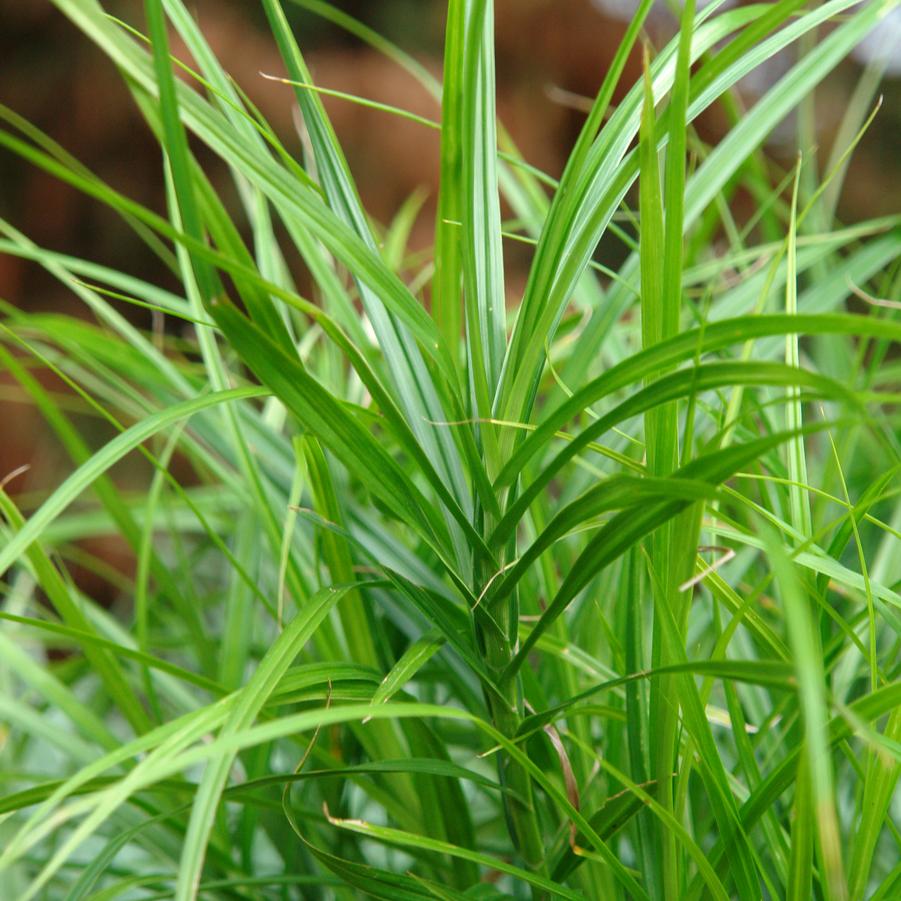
{"x": 550, "y": 53}
{"x": 547, "y": 50}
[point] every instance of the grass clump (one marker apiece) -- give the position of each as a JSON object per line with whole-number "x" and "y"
{"x": 593, "y": 594}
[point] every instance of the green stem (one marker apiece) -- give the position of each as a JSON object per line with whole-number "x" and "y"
{"x": 497, "y": 631}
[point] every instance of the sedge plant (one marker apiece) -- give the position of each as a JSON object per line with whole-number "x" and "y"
{"x": 589, "y": 592}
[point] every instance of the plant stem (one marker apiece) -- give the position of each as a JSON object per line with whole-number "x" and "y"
{"x": 497, "y": 631}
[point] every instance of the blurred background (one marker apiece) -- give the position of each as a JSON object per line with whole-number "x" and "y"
{"x": 551, "y": 58}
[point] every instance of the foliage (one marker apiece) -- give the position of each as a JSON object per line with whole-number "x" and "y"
{"x": 590, "y": 594}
